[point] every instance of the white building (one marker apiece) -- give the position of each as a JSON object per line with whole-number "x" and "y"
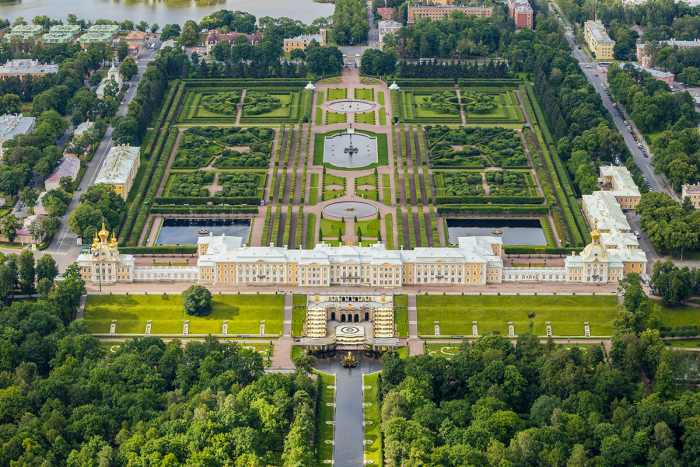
{"x": 621, "y": 185}
{"x": 82, "y": 128}
{"x": 387, "y": 27}
{"x": 13, "y": 125}
{"x": 602, "y": 207}
{"x": 112, "y": 76}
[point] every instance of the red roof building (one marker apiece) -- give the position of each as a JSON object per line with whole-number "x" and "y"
{"x": 385, "y": 13}
{"x": 214, "y": 38}
{"x": 521, "y": 12}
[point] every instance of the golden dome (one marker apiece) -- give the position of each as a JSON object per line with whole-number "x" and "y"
{"x": 113, "y": 242}
{"x": 595, "y": 235}
{"x": 103, "y": 233}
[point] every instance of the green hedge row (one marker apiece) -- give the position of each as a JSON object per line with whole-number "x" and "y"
{"x": 396, "y": 106}
{"x": 204, "y": 209}
{"x": 245, "y": 83}
{"x": 492, "y": 209}
{"x": 213, "y": 199}
{"x": 496, "y": 83}
{"x": 539, "y": 250}
{"x": 489, "y": 200}
{"x": 166, "y": 106}
{"x": 308, "y": 107}
{"x": 152, "y": 188}
{"x": 422, "y": 83}
{"x": 159, "y": 250}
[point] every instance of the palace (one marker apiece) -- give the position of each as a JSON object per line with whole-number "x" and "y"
{"x": 226, "y": 260}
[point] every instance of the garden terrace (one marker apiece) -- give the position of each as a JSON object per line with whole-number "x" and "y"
{"x": 382, "y": 150}
{"x": 238, "y": 183}
{"x": 510, "y": 183}
{"x": 194, "y": 151}
{"x": 475, "y": 147}
{"x": 132, "y": 312}
{"x": 370, "y": 183}
{"x": 271, "y": 106}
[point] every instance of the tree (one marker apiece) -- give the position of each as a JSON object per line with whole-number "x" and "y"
{"x": 196, "y": 301}
{"x": 56, "y": 202}
{"x": 154, "y": 28}
{"x": 128, "y": 68}
{"x": 122, "y": 50}
{"x": 43, "y": 227}
{"x": 27, "y": 272}
{"x": 190, "y": 35}
{"x": 43, "y": 287}
{"x": 9, "y": 226}
{"x": 142, "y": 26}
{"x": 29, "y": 196}
{"x": 10, "y": 104}
{"x": 673, "y": 284}
{"x": 46, "y": 268}
{"x": 84, "y": 221}
{"x": 66, "y": 184}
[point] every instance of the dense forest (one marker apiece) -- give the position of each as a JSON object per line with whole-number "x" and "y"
{"x": 533, "y": 404}
{"x": 62, "y": 403}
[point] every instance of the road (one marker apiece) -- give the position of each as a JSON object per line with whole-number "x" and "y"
{"x": 597, "y": 78}
{"x": 64, "y": 248}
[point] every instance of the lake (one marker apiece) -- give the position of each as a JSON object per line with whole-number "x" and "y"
{"x": 162, "y": 12}
{"x": 515, "y": 231}
{"x": 185, "y": 231}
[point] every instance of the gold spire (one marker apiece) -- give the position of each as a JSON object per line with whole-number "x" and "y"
{"x": 595, "y": 235}
{"x": 103, "y": 233}
{"x": 113, "y": 242}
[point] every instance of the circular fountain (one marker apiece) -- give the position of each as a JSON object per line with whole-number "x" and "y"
{"x": 350, "y": 150}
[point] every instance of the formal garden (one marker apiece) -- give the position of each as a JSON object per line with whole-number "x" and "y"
{"x": 366, "y": 187}
{"x": 189, "y": 184}
{"x": 382, "y": 149}
{"x": 430, "y": 106}
{"x": 227, "y": 147}
{"x": 475, "y": 147}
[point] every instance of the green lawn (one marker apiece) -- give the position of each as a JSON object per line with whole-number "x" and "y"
{"x": 330, "y": 228}
{"x": 319, "y": 98}
{"x": 243, "y": 312}
{"x": 401, "y": 300}
{"x": 683, "y": 344}
{"x": 298, "y": 319}
{"x": 677, "y": 315}
{"x": 369, "y": 228}
{"x": 446, "y": 351}
{"x": 366, "y": 94}
{"x": 367, "y": 117}
{"x": 335, "y": 94}
{"x": 325, "y": 413}
{"x": 333, "y": 117}
{"x": 299, "y": 300}
{"x": 380, "y": 98}
{"x": 372, "y": 431}
{"x": 382, "y": 116}
{"x": 310, "y": 232}
{"x": 566, "y": 313}
{"x": 401, "y": 321}
{"x": 319, "y": 116}
{"x": 389, "y": 231}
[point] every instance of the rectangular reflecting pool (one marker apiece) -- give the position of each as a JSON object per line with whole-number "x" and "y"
{"x": 186, "y": 231}
{"x": 515, "y": 231}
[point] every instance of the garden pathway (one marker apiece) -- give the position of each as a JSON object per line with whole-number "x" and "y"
{"x": 485, "y": 185}
{"x": 240, "y": 108}
{"x": 461, "y": 109}
{"x": 414, "y": 343}
{"x": 214, "y": 187}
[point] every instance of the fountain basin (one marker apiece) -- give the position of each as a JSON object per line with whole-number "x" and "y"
{"x": 350, "y": 209}
{"x": 350, "y": 106}
{"x": 350, "y": 150}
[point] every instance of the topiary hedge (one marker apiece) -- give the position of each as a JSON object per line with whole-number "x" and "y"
{"x": 491, "y": 209}
{"x": 489, "y": 200}
{"x": 179, "y": 200}
{"x": 204, "y": 209}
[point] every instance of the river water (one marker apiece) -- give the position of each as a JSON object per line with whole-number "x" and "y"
{"x": 162, "y": 12}
{"x": 348, "y": 450}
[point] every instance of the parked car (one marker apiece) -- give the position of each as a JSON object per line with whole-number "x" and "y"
{"x": 636, "y": 234}
{"x": 596, "y": 75}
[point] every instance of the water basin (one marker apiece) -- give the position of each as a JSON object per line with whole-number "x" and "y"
{"x": 350, "y": 150}
{"x": 350, "y": 209}
{"x": 186, "y": 231}
{"x": 350, "y": 106}
{"x": 515, "y": 231}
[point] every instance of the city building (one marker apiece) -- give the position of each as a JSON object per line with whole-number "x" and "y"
{"x": 692, "y": 192}
{"x": 13, "y": 125}
{"x": 301, "y": 42}
{"x": 436, "y": 13}
{"x": 621, "y": 185}
{"x": 57, "y": 38}
{"x": 602, "y": 207}
{"x": 31, "y": 30}
{"x": 114, "y": 76}
{"x": 598, "y": 40}
{"x": 119, "y": 168}
{"x": 72, "y": 29}
{"x": 665, "y": 76}
{"x": 39, "y": 208}
{"x": 385, "y": 13}
{"x": 440, "y": 2}
{"x": 102, "y": 262}
{"x": 95, "y": 38}
{"x": 66, "y": 167}
{"x": 214, "y": 38}
{"x": 23, "y": 67}
{"x": 23, "y": 235}
{"x": 387, "y": 27}
{"x": 111, "y": 29}
{"x": 521, "y": 12}
{"x": 137, "y": 37}
{"x": 82, "y": 128}
{"x": 170, "y": 43}
{"x": 641, "y": 56}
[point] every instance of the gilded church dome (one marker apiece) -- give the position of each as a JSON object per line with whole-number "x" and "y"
{"x": 103, "y": 234}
